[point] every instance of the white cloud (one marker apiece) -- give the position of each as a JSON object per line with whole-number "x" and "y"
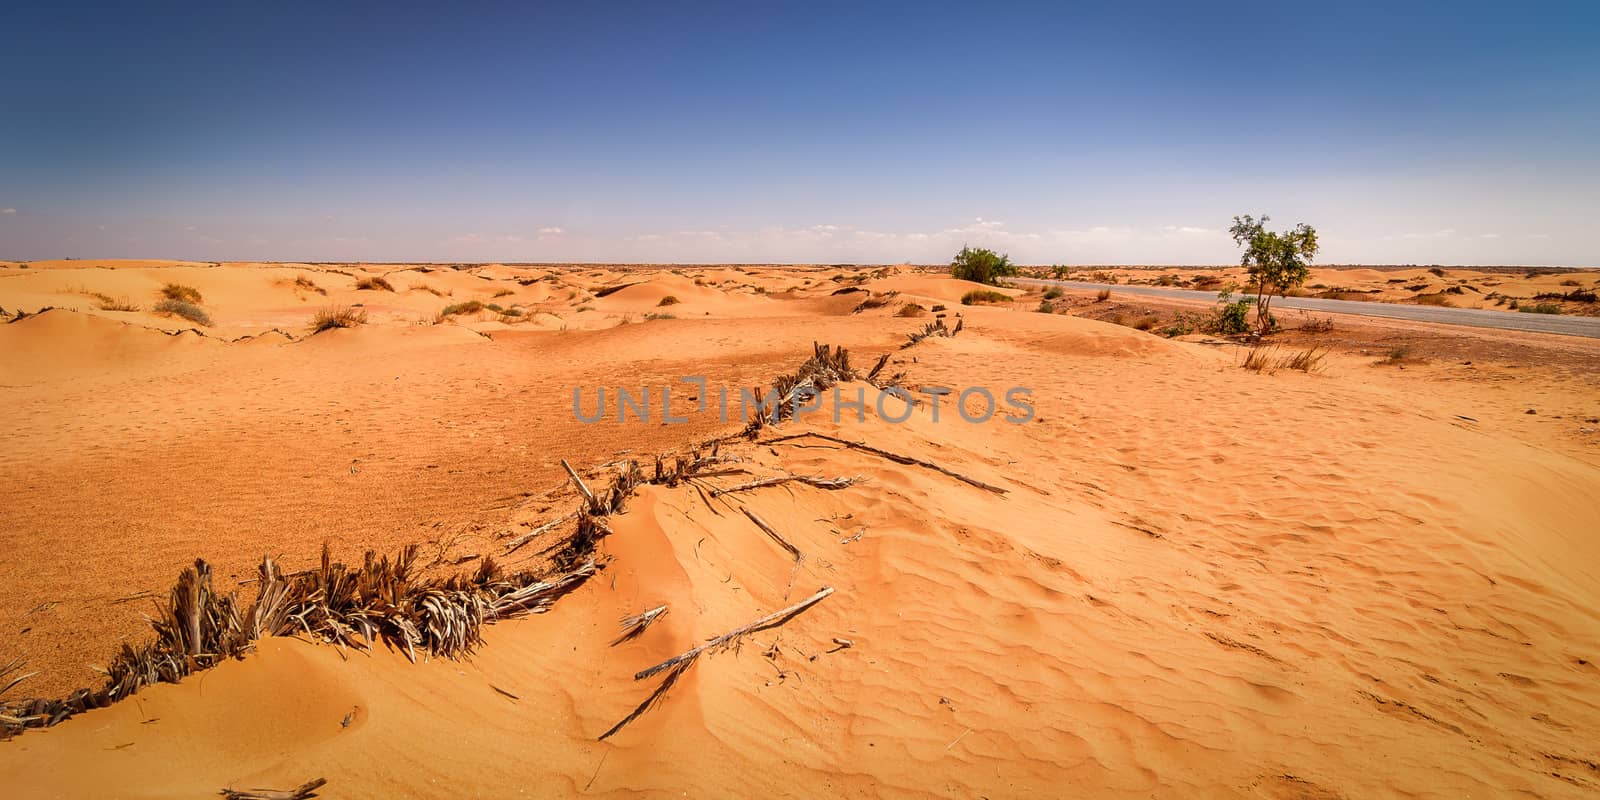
{"x": 8, "y": 211}
{"x": 553, "y": 230}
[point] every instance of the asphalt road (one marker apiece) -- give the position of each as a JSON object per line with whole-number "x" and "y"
{"x": 1477, "y": 318}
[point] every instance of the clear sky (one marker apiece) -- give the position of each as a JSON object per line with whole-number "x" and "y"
{"x": 1116, "y": 132}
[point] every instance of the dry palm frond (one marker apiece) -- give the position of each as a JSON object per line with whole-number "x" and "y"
{"x": 518, "y": 542}
{"x": 304, "y": 791}
{"x": 895, "y": 457}
{"x": 776, "y": 537}
{"x": 934, "y": 328}
{"x": 820, "y": 483}
{"x": 827, "y": 367}
{"x": 635, "y": 625}
{"x": 677, "y": 665}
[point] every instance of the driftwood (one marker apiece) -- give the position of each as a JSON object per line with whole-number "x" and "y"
{"x": 776, "y": 537}
{"x": 304, "y": 791}
{"x": 895, "y": 457}
{"x": 677, "y": 665}
{"x": 634, "y": 625}
{"x": 820, "y": 483}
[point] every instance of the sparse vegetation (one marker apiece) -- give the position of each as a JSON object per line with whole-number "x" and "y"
{"x": 302, "y": 282}
{"x": 978, "y": 296}
{"x": 981, "y": 265}
{"x": 181, "y": 293}
{"x": 1231, "y": 316}
{"x": 1046, "y": 307}
{"x": 374, "y": 283}
{"x": 338, "y": 317}
{"x": 659, "y": 315}
{"x": 1399, "y": 354}
{"x": 184, "y": 309}
{"x": 910, "y": 310}
{"x": 669, "y": 300}
{"x": 504, "y": 293}
{"x": 1541, "y": 308}
{"x": 1053, "y": 293}
{"x": 1306, "y": 360}
{"x": 1102, "y": 295}
{"x": 1276, "y": 262}
{"x": 423, "y": 287}
{"x": 1434, "y": 299}
{"x": 468, "y": 307}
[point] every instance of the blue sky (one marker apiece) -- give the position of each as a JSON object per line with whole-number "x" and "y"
{"x": 1458, "y": 133}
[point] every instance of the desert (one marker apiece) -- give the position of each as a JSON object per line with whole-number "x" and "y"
{"x": 1146, "y": 588}
{"x": 804, "y": 400}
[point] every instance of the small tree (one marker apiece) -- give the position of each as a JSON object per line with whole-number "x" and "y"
{"x": 1276, "y": 262}
{"x": 981, "y": 266}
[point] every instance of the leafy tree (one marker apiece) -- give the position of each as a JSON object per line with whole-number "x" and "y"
{"x": 1276, "y": 262}
{"x": 981, "y": 266}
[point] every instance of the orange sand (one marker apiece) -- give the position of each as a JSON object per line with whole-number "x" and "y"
{"x": 1200, "y": 582}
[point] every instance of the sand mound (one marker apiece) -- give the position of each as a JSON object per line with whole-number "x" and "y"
{"x": 61, "y": 345}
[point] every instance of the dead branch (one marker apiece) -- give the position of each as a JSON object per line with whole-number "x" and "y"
{"x": 536, "y": 533}
{"x": 304, "y": 791}
{"x": 728, "y": 639}
{"x": 635, "y": 625}
{"x": 895, "y": 457}
{"x": 583, "y": 488}
{"x": 776, "y": 537}
{"x": 820, "y": 483}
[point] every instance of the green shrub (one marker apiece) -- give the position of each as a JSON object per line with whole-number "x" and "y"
{"x": 1053, "y": 293}
{"x": 981, "y": 265}
{"x": 1232, "y": 316}
{"x": 1046, "y": 307}
{"x": 1541, "y": 308}
{"x": 469, "y": 307}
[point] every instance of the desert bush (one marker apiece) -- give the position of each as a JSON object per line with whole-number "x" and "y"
{"x": 1399, "y": 354}
{"x": 376, "y": 283}
{"x": 337, "y": 317}
{"x": 495, "y": 307}
{"x": 659, "y": 315}
{"x": 511, "y": 312}
{"x": 1436, "y": 272}
{"x": 185, "y": 309}
{"x": 1317, "y": 325}
{"x": 423, "y": 287}
{"x": 1183, "y": 325}
{"x": 582, "y": 309}
{"x": 911, "y": 310}
{"x": 504, "y": 293}
{"x": 468, "y": 307}
{"x": 977, "y": 296}
{"x": 1053, "y": 293}
{"x": 181, "y": 293}
{"x": 1435, "y": 299}
{"x": 1574, "y": 296}
{"x": 669, "y": 300}
{"x": 1231, "y": 316}
{"x": 981, "y": 265}
{"x": 1541, "y": 308}
{"x": 1102, "y": 295}
{"x": 106, "y": 302}
{"x": 1046, "y": 307}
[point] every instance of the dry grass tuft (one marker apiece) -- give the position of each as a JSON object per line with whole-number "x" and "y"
{"x": 182, "y": 308}
{"x": 376, "y": 283}
{"x": 181, "y": 293}
{"x": 338, "y": 317}
{"x": 1102, "y": 295}
{"x": 911, "y": 310}
{"x": 980, "y": 296}
{"x": 469, "y": 307}
{"x": 669, "y": 300}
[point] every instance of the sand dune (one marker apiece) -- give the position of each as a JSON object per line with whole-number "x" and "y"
{"x": 1199, "y": 581}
